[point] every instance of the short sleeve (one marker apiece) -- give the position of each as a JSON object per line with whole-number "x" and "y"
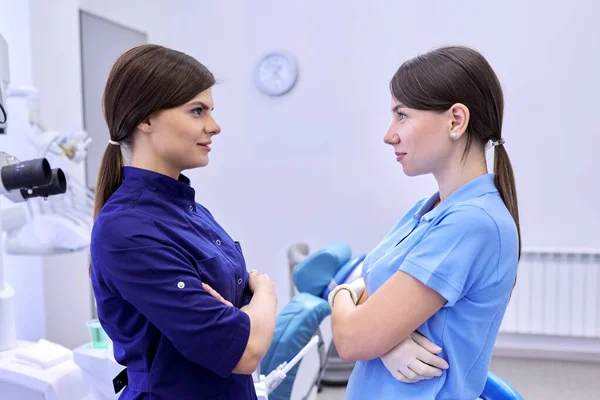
{"x": 141, "y": 265}
{"x": 454, "y": 251}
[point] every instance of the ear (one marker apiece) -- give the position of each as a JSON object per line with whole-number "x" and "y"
{"x": 145, "y": 126}
{"x": 459, "y": 119}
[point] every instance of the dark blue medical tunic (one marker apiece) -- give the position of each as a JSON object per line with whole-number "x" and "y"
{"x": 152, "y": 247}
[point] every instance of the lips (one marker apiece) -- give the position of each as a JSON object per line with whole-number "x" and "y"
{"x": 399, "y": 155}
{"x": 205, "y": 145}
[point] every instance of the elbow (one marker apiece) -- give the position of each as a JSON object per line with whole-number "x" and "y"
{"x": 253, "y": 355}
{"x": 347, "y": 348}
{"x": 246, "y": 367}
{"x": 346, "y": 354}
{"x": 353, "y": 344}
{"x": 347, "y": 351}
{"x": 248, "y": 363}
{"x": 345, "y": 339}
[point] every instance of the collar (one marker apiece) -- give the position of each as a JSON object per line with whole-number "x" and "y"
{"x": 160, "y": 183}
{"x": 476, "y": 187}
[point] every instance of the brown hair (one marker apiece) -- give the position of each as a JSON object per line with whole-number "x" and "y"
{"x": 437, "y": 80}
{"x": 145, "y": 79}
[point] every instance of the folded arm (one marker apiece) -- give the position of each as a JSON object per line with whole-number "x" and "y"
{"x": 384, "y": 319}
{"x": 436, "y": 272}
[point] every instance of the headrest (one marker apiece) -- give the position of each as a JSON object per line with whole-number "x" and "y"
{"x": 296, "y": 325}
{"x": 315, "y": 272}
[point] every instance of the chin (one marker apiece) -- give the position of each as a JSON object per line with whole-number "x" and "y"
{"x": 193, "y": 164}
{"x": 412, "y": 172}
{"x": 203, "y": 162}
{"x": 408, "y": 172}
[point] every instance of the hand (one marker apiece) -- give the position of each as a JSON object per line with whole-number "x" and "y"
{"x": 216, "y": 294}
{"x": 258, "y": 281}
{"x": 358, "y": 286}
{"x": 414, "y": 359}
{"x": 252, "y": 280}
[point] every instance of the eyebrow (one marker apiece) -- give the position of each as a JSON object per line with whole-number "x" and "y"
{"x": 201, "y": 104}
{"x": 398, "y": 106}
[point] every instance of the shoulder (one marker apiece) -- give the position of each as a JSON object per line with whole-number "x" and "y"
{"x": 470, "y": 219}
{"x": 125, "y": 228}
{"x": 488, "y": 212}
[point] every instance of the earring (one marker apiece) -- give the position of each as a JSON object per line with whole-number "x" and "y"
{"x": 453, "y": 136}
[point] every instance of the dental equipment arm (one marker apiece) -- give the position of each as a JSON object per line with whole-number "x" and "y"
{"x": 20, "y": 181}
{"x": 265, "y": 385}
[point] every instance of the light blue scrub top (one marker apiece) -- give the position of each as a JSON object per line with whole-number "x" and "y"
{"x": 466, "y": 249}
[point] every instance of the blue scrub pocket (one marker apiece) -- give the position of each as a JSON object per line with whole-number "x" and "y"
{"x": 215, "y": 272}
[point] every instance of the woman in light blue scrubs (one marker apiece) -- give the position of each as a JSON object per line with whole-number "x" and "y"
{"x": 448, "y": 266}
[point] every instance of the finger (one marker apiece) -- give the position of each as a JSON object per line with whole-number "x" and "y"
{"x": 216, "y": 294}
{"x": 424, "y": 371}
{"x": 403, "y": 378}
{"x": 425, "y": 343}
{"x": 409, "y": 373}
{"x": 433, "y": 360}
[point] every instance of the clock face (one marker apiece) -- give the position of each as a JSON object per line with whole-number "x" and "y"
{"x": 276, "y": 74}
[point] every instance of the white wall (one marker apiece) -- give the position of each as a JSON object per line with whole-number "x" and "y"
{"x": 311, "y": 166}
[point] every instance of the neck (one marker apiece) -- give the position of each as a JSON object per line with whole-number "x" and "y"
{"x": 458, "y": 173}
{"x": 141, "y": 159}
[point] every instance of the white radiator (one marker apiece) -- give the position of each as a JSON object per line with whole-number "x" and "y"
{"x": 557, "y": 293}
{"x": 555, "y": 306}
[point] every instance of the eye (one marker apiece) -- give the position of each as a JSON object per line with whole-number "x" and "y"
{"x": 401, "y": 115}
{"x": 198, "y": 111}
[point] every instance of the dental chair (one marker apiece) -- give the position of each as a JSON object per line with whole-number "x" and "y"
{"x": 496, "y": 389}
{"x": 314, "y": 277}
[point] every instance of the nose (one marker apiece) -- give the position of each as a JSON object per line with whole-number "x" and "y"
{"x": 212, "y": 127}
{"x": 391, "y": 137}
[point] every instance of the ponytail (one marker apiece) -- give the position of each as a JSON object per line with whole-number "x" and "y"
{"x": 110, "y": 176}
{"x": 505, "y": 182}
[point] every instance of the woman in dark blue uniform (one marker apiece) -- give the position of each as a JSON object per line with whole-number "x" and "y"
{"x": 158, "y": 257}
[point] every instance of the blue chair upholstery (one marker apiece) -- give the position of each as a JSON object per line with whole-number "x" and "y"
{"x": 296, "y": 325}
{"x": 314, "y": 273}
{"x": 496, "y": 389}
